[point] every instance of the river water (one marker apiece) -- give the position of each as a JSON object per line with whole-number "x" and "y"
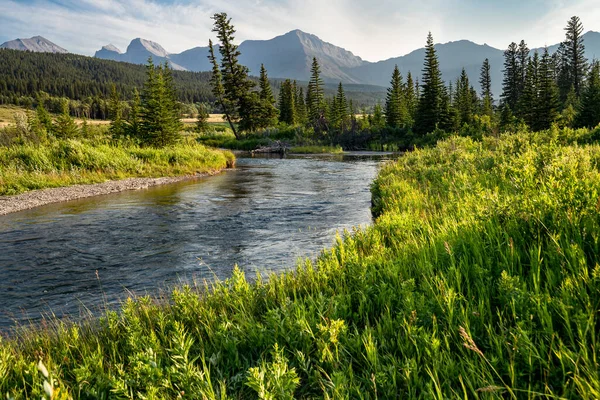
{"x": 81, "y": 256}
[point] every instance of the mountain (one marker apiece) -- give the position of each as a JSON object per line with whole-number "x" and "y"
{"x": 453, "y": 57}
{"x": 285, "y": 56}
{"x": 591, "y": 40}
{"x": 290, "y": 56}
{"x": 138, "y": 52}
{"x": 109, "y": 52}
{"x": 36, "y": 44}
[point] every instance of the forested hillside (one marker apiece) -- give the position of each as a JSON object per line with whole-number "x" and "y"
{"x": 24, "y": 74}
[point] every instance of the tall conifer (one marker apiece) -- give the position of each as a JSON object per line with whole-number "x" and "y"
{"x": 433, "y": 99}
{"x": 394, "y": 103}
{"x": 485, "y": 80}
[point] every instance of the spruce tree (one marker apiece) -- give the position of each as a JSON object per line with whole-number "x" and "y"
{"x": 133, "y": 123}
{"x": 589, "y": 111}
{"x": 43, "y": 116}
{"x": 576, "y": 63}
{"x": 287, "y": 107}
{"x": 268, "y": 111}
{"x": 463, "y": 99}
{"x": 65, "y": 127}
{"x": 378, "y": 119}
{"x": 115, "y": 114}
{"x": 529, "y": 101}
{"x": 548, "y": 101}
{"x": 202, "y": 119}
{"x": 523, "y": 57}
{"x": 314, "y": 94}
{"x": 511, "y": 84}
{"x": 236, "y": 84}
{"x": 411, "y": 100}
{"x": 433, "y": 99}
{"x": 395, "y": 110}
{"x": 341, "y": 112}
{"x": 216, "y": 82}
{"x": 563, "y": 79}
{"x": 160, "y": 123}
{"x": 300, "y": 111}
{"x": 485, "y": 80}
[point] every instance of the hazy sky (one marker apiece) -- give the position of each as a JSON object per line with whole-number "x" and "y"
{"x": 373, "y": 30}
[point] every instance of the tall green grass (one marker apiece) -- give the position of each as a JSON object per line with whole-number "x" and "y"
{"x": 479, "y": 279}
{"x": 316, "y": 150}
{"x": 66, "y": 162}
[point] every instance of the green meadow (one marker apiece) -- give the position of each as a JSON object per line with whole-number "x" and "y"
{"x": 478, "y": 279}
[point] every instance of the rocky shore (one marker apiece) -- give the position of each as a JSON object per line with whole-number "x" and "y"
{"x": 36, "y": 198}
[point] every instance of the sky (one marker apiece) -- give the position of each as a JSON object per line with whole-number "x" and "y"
{"x": 372, "y": 29}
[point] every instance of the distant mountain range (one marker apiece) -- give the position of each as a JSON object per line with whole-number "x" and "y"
{"x": 37, "y": 44}
{"x": 290, "y": 56}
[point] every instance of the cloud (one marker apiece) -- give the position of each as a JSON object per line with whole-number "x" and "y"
{"x": 372, "y": 30}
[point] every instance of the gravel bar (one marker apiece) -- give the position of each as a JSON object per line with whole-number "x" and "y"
{"x": 36, "y": 198}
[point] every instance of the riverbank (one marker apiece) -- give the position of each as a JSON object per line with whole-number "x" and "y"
{"x": 480, "y": 277}
{"x": 37, "y": 198}
{"x": 61, "y": 163}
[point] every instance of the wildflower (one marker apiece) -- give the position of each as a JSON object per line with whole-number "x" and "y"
{"x": 42, "y": 368}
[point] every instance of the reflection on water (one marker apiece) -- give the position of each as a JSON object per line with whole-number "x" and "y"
{"x": 262, "y": 216}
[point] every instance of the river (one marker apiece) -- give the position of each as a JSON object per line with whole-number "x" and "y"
{"x": 76, "y": 258}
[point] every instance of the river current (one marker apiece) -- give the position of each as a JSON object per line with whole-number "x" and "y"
{"x": 79, "y": 257}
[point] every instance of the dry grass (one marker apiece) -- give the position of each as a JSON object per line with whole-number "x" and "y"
{"x": 7, "y": 117}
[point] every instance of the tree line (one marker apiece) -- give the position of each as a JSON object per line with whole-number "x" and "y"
{"x": 539, "y": 89}
{"x": 86, "y": 81}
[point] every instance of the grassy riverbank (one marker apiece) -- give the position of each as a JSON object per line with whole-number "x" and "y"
{"x": 480, "y": 278}
{"x": 68, "y": 162}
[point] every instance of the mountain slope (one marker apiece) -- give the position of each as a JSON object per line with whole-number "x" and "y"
{"x": 138, "y": 52}
{"x": 453, "y": 56}
{"x": 285, "y": 56}
{"x": 36, "y": 44}
{"x": 290, "y": 56}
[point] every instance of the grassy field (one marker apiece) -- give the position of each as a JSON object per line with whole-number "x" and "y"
{"x": 479, "y": 279}
{"x": 8, "y": 112}
{"x": 69, "y": 162}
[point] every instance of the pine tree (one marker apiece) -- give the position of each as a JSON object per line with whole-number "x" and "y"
{"x": 216, "y": 82}
{"x": 202, "y": 119}
{"x": 300, "y": 110}
{"x": 433, "y": 99}
{"x": 378, "y": 119}
{"x": 314, "y": 94}
{"x": 485, "y": 81}
{"x": 340, "y": 117}
{"x": 411, "y": 100}
{"x": 511, "y": 85}
{"x": 133, "y": 123}
{"x": 65, "y": 127}
{"x": 576, "y": 63}
{"x": 589, "y": 111}
{"x": 43, "y": 116}
{"x": 548, "y": 102}
{"x": 395, "y": 109}
{"x": 268, "y": 111}
{"x": 529, "y": 101}
{"x": 463, "y": 99}
{"x": 160, "y": 124}
{"x": 241, "y": 102}
{"x": 563, "y": 79}
{"x": 523, "y": 57}
{"x": 115, "y": 114}
{"x": 287, "y": 107}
